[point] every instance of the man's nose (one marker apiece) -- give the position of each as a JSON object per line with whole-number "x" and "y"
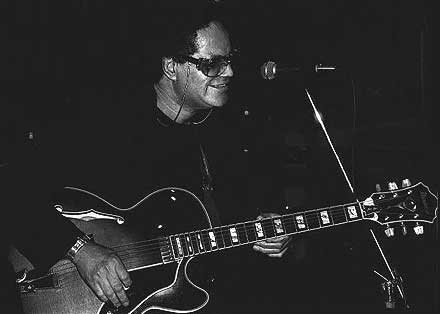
{"x": 228, "y": 71}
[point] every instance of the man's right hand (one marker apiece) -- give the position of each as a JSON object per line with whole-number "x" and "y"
{"x": 104, "y": 273}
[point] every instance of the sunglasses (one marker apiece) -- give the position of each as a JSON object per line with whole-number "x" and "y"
{"x": 210, "y": 67}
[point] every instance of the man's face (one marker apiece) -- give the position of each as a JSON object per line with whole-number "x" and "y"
{"x": 203, "y": 92}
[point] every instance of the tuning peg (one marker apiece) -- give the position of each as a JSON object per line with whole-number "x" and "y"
{"x": 404, "y": 229}
{"x": 389, "y": 231}
{"x": 392, "y": 186}
{"x": 406, "y": 183}
{"x": 418, "y": 229}
{"x": 378, "y": 188}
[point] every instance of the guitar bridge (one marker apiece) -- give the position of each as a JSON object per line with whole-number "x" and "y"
{"x": 33, "y": 280}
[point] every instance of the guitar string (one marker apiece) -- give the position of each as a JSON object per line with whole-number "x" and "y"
{"x": 65, "y": 279}
{"x": 154, "y": 243}
{"x": 68, "y": 277}
{"x": 224, "y": 230}
{"x": 153, "y": 246}
{"x": 311, "y": 217}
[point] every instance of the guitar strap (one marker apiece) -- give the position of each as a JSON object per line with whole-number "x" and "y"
{"x": 208, "y": 188}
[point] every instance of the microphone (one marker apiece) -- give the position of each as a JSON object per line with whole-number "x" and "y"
{"x": 269, "y": 70}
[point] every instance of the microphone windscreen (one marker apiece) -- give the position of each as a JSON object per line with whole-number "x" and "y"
{"x": 268, "y": 70}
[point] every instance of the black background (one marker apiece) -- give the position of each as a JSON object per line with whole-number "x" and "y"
{"x": 377, "y": 106}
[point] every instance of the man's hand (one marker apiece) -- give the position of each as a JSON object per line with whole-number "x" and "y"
{"x": 104, "y": 273}
{"x": 275, "y": 247}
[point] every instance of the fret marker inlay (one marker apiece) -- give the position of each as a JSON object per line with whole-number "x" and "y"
{"x": 188, "y": 241}
{"x": 212, "y": 237}
{"x": 179, "y": 246}
{"x": 300, "y": 222}
{"x": 352, "y": 212}
{"x": 234, "y": 235}
{"x": 199, "y": 240}
{"x": 259, "y": 228}
{"x": 324, "y": 217}
{"x": 278, "y": 226}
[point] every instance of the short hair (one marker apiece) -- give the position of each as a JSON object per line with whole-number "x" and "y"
{"x": 175, "y": 29}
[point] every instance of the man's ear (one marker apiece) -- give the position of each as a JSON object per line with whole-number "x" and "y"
{"x": 169, "y": 66}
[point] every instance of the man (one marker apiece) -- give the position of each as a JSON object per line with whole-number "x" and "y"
{"x": 161, "y": 141}
{"x": 197, "y": 83}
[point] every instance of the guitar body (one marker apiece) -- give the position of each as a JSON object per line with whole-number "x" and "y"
{"x": 173, "y": 287}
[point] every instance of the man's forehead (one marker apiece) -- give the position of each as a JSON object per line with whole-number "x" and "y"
{"x": 213, "y": 41}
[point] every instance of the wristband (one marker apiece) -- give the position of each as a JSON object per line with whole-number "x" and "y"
{"x": 80, "y": 242}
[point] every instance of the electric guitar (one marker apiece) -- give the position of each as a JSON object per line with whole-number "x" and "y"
{"x": 162, "y": 251}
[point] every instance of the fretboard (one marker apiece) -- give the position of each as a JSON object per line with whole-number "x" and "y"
{"x": 233, "y": 235}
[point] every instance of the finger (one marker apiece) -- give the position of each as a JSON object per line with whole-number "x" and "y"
{"x": 118, "y": 288}
{"x": 98, "y": 291}
{"x": 280, "y": 254}
{"x": 267, "y": 215}
{"x": 109, "y": 292}
{"x": 280, "y": 239}
{"x": 123, "y": 275}
{"x": 274, "y": 244}
{"x": 267, "y": 250}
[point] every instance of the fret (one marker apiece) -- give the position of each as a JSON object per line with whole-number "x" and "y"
{"x": 205, "y": 240}
{"x": 339, "y": 215}
{"x": 289, "y": 224}
{"x": 200, "y": 242}
{"x": 312, "y": 220}
{"x": 183, "y": 244}
{"x": 194, "y": 243}
{"x": 259, "y": 230}
{"x": 233, "y": 235}
{"x": 268, "y": 228}
{"x": 278, "y": 226}
{"x": 325, "y": 218}
{"x": 227, "y": 237}
{"x": 177, "y": 246}
{"x": 189, "y": 244}
{"x": 219, "y": 237}
{"x": 300, "y": 222}
{"x": 353, "y": 212}
{"x": 250, "y": 231}
{"x": 167, "y": 251}
{"x": 212, "y": 241}
{"x": 174, "y": 247}
{"x": 241, "y": 232}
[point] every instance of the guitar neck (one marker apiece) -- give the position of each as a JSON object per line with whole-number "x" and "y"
{"x": 233, "y": 235}
{"x": 415, "y": 203}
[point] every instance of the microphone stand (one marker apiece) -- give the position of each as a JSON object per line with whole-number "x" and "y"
{"x": 389, "y": 286}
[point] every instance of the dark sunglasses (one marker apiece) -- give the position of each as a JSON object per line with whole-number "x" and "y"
{"x": 210, "y": 67}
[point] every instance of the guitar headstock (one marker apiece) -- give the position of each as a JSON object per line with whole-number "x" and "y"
{"x": 411, "y": 203}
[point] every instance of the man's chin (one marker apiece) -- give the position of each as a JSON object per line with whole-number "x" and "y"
{"x": 219, "y": 103}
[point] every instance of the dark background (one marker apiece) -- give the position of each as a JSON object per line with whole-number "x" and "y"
{"x": 377, "y": 105}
